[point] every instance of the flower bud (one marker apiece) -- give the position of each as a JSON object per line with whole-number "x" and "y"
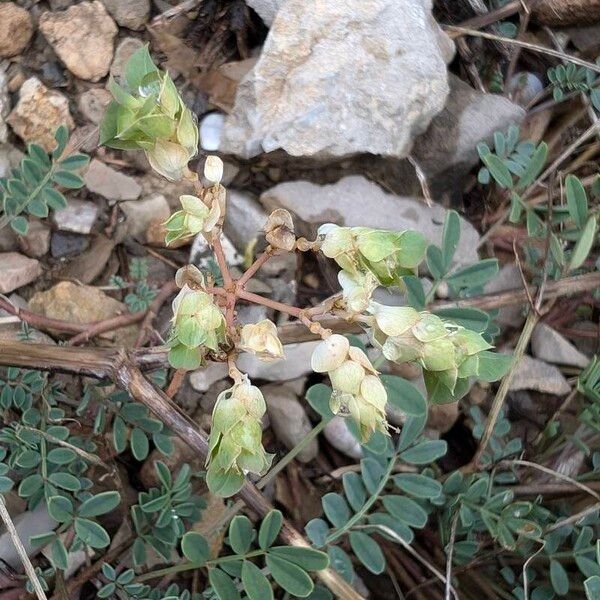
{"x": 191, "y": 276}
{"x": 261, "y": 340}
{"x": 196, "y": 217}
{"x": 357, "y": 289}
{"x": 279, "y": 230}
{"x": 197, "y": 325}
{"x": 169, "y": 159}
{"x": 235, "y": 443}
{"x": 330, "y": 353}
{"x": 213, "y": 169}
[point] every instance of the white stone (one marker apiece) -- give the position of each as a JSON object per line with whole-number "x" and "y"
{"x": 296, "y": 363}
{"x": 78, "y": 217}
{"x": 211, "y": 130}
{"x": 336, "y": 432}
{"x": 549, "y": 345}
{"x": 354, "y": 201}
{"x": 109, "y": 183}
{"x": 534, "y": 374}
{"x": 266, "y": 9}
{"x": 289, "y": 420}
{"x": 336, "y": 77}
{"x": 141, "y": 213}
{"x": 16, "y": 271}
{"x": 4, "y": 106}
{"x": 245, "y": 219}
{"x": 201, "y": 253}
{"x": 203, "y": 378}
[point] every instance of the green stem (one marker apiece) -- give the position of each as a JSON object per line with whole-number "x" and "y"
{"x": 191, "y": 566}
{"x": 363, "y": 511}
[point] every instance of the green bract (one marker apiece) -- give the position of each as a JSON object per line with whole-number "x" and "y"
{"x": 198, "y": 326}
{"x": 447, "y": 352}
{"x": 148, "y": 114}
{"x": 357, "y": 389}
{"x": 235, "y": 444}
{"x": 388, "y": 255}
{"x": 195, "y": 217}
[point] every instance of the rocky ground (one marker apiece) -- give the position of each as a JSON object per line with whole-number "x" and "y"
{"x": 363, "y": 112}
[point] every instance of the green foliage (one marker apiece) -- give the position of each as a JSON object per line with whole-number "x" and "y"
{"x": 572, "y": 78}
{"x": 142, "y": 293}
{"x": 122, "y": 585}
{"x": 288, "y": 566}
{"x": 148, "y": 114}
{"x": 374, "y": 502}
{"x": 131, "y": 423}
{"x": 31, "y": 188}
{"x": 162, "y": 514}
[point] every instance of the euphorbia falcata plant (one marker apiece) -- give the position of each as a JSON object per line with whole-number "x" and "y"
{"x": 149, "y": 114}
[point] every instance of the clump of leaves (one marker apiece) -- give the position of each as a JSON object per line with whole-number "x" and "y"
{"x": 572, "y": 78}
{"x": 31, "y": 188}
{"x": 162, "y": 514}
{"x": 288, "y": 566}
{"x": 142, "y": 293}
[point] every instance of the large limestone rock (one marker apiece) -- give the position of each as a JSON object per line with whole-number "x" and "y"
{"x": 354, "y": 201}
{"x": 38, "y": 114}
{"x": 336, "y": 77}
{"x": 82, "y": 36}
{"x": 266, "y": 9}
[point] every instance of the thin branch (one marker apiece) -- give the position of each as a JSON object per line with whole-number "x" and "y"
{"x": 535, "y": 47}
{"x": 16, "y": 540}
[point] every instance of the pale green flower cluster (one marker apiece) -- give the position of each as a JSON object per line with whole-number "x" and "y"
{"x": 148, "y": 114}
{"x": 235, "y": 444}
{"x": 261, "y": 339}
{"x": 193, "y": 218}
{"x": 198, "y": 325}
{"x": 386, "y": 255}
{"x": 446, "y": 351}
{"x": 357, "y": 389}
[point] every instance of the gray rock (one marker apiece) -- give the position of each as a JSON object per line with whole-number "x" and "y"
{"x": 523, "y": 87}
{"x": 78, "y": 217}
{"x": 551, "y": 346}
{"x": 16, "y": 271}
{"x": 203, "y": 378}
{"x": 109, "y": 183}
{"x": 266, "y": 9}
{"x": 37, "y": 240}
{"x": 132, "y": 14}
{"x": 93, "y": 104}
{"x": 534, "y": 374}
{"x": 336, "y": 432}
{"x": 65, "y": 244}
{"x": 355, "y": 201}
{"x": 4, "y": 106}
{"x": 10, "y": 157}
{"x": 28, "y": 524}
{"x": 201, "y": 253}
{"x": 447, "y": 151}
{"x": 289, "y": 420}
{"x": 141, "y": 213}
{"x": 508, "y": 278}
{"x": 336, "y": 77}
{"x": 295, "y": 364}
{"x": 245, "y": 219}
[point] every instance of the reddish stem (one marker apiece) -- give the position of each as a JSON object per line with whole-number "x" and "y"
{"x": 220, "y": 256}
{"x": 254, "y": 267}
{"x": 280, "y": 306}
